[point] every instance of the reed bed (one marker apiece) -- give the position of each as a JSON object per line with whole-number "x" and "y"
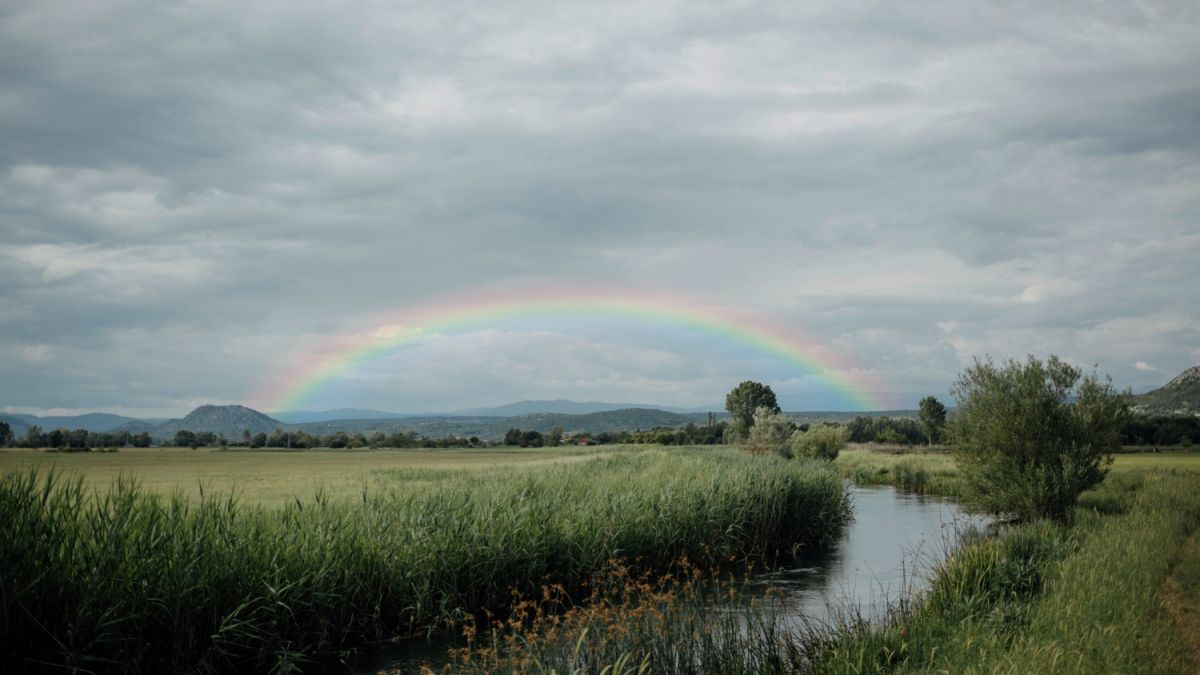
{"x": 687, "y": 621}
{"x": 128, "y": 581}
{"x": 915, "y": 471}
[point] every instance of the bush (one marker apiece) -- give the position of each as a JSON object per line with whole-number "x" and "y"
{"x": 772, "y": 432}
{"x": 822, "y": 441}
{"x": 1031, "y": 437}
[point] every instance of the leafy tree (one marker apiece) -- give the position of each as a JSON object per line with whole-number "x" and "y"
{"x": 1030, "y": 437}
{"x": 34, "y": 438}
{"x": 771, "y": 432}
{"x": 185, "y": 439}
{"x": 933, "y": 418}
{"x": 744, "y": 401}
{"x": 140, "y": 440}
{"x": 6, "y": 434}
{"x": 820, "y": 441}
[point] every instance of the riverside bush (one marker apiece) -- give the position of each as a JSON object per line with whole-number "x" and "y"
{"x": 821, "y": 441}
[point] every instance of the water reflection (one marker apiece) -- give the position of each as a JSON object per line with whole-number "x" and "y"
{"x": 894, "y": 539}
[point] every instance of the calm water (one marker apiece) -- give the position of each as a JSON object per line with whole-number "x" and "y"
{"x": 894, "y": 538}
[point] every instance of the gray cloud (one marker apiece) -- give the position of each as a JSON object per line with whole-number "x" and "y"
{"x": 192, "y": 196}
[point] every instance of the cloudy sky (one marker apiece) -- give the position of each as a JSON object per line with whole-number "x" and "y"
{"x": 196, "y": 196}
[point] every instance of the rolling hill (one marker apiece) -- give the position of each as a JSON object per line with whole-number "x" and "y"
{"x": 227, "y": 420}
{"x": 556, "y": 406}
{"x": 89, "y": 421}
{"x": 1180, "y": 396}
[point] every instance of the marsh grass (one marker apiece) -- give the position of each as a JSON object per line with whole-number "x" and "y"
{"x": 126, "y": 580}
{"x": 686, "y": 621}
{"x": 923, "y": 472}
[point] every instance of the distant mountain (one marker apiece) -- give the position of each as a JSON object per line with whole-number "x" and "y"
{"x": 227, "y": 420}
{"x": 137, "y": 427}
{"x": 629, "y": 419}
{"x": 305, "y": 416}
{"x": 17, "y": 423}
{"x": 493, "y": 427}
{"x": 89, "y": 421}
{"x": 558, "y": 406}
{"x": 1180, "y": 396}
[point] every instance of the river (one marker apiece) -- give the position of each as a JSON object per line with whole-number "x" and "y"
{"x": 893, "y": 540}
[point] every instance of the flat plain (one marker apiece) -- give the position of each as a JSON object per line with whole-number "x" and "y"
{"x": 268, "y": 477}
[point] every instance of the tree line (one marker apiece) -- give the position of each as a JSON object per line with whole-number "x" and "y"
{"x": 73, "y": 439}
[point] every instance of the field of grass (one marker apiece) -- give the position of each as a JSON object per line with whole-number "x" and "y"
{"x": 128, "y": 580}
{"x": 275, "y": 477}
{"x": 936, "y": 473}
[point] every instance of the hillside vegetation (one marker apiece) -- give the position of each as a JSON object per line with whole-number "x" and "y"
{"x": 1180, "y": 396}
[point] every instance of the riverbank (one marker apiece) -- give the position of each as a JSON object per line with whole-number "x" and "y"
{"x": 1113, "y": 593}
{"x": 1117, "y": 591}
{"x": 126, "y": 580}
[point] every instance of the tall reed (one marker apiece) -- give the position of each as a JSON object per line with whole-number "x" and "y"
{"x": 127, "y": 581}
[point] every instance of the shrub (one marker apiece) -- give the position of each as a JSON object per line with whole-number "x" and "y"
{"x": 821, "y": 441}
{"x": 771, "y": 432}
{"x": 1030, "y": 437}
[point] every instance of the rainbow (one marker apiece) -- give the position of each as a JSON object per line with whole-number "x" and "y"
{"x": 857, "y": 386}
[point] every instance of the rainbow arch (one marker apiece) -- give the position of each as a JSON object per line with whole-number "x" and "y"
{"x": 858, "y": 386}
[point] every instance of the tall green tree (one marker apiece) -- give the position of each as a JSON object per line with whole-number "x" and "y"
{"x": 34, "y": 438}
{"x": 1031, "y": 436}
{"x": 744, "y": 400}
{"x": 6, "y": 434}
{"x": 933, "y": 418}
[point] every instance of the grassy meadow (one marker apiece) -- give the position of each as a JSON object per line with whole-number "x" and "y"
{"x": 276, "y": 477}
{"x": 128, "y": 578}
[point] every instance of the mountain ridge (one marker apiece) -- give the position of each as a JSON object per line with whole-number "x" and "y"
{"x": 1179, "y": 396}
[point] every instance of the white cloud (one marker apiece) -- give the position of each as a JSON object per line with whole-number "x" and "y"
{"x": 191, "y": 203}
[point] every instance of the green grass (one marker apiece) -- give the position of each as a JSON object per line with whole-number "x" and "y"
{"x": 918, "y": 471}
{"x": 1044, "y": 598}
{"x": 127, "y": 580}
{"x": 277, "y": 477}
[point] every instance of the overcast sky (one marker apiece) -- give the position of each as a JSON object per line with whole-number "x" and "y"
{"x": 195, "y": 195}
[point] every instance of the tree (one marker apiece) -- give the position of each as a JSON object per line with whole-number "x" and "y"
{"x": 6, "y": 434}
{"x": 744, "y": 400}
{"x": 821, "y": 441}
{"x": 933, "y": 418}
{"x": 1030, "y": 437}
{"x": 771, "y": 432}
{"x": 185, "y": 438}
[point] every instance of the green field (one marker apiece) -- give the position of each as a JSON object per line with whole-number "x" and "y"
{"x": 275, "y": 477}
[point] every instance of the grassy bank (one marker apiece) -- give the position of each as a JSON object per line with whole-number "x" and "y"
{"x": 1091, "y": 598}
{"x": 127, "y": 580}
